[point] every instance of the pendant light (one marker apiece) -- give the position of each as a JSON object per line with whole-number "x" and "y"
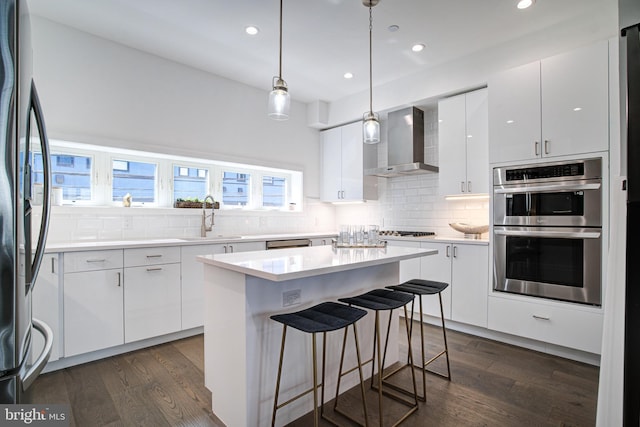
{"x": 370, "y": 122}
{"x": 279, "y": 100}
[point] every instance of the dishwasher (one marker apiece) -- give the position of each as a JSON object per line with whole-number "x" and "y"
{"x": 288, "y": 243}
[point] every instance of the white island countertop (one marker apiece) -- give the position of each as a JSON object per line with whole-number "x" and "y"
{"x": 295, "y": 263}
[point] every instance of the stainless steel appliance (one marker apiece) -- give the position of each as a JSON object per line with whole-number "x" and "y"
{"x": 22, "y": 128}
{"x": 548, "y": 230}
{"x": 629, "y": 20}
{"x": 288, "y": 243}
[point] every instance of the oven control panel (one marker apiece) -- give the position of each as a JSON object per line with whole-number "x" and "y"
{"x": 556, "y": 171}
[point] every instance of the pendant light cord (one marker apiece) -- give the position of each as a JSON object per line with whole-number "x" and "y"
{"x": 370, "y": 60}
{"x": 280, "y": 56}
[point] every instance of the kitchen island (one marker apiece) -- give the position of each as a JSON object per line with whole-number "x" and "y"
{"x": 242, "y": 343}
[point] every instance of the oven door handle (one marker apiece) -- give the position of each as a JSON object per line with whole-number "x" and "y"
{"x": 551, "y": 234}
{"x": 547, "y": 188}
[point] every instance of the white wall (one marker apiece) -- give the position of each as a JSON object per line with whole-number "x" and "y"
{"x": 97, "y": 91}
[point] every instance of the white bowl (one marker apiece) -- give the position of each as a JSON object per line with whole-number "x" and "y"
{"x": 469, "y": 228}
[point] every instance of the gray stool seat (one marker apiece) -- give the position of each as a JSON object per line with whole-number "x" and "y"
{"x": 420, "y": 287}
{"x": 324, "y": 317}
{"x": 379, "y": 299}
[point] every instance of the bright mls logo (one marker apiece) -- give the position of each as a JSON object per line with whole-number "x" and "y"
{"x": 34, "y": 415}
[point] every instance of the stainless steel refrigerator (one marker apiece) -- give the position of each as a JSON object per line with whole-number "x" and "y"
{"x": 629, "y": 18}
{"x": 22, "y": 139}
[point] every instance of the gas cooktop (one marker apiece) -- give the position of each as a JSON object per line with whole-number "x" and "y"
{"x": 397, "y": 233}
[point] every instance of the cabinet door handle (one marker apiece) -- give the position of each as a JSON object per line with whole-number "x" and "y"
{"x": 225, "y": 249}
{"x": 154, "y": 256}
{"x": 546, "y": 146}
{"x": 53, "y": 266}
{"x": 535, "y": 316}
{"x": 343, "y": 194}
{"x": 339, "y": 194}
{"x": 462, "y": 186}
{"x": 119, "y": 279}
{"x": 455, "y": 251}
{"x": 447, "y": 252}
{"x": 96, "y": 260}
{"x": 231, "y": 248}
{"x": 469, "y": 186}
{"x": 537, "y": 144}
{"x": 154, "y": 269}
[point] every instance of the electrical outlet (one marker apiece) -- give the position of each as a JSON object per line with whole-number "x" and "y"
{"x": 291, "y": 298}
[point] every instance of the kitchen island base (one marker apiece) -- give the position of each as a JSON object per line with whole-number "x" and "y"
{"x": 242, "y": 342}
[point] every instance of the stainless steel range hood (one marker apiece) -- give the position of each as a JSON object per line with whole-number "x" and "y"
{"x": 405, "y": 141}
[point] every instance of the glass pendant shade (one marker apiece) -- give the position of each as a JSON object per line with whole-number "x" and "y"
{"x": 370, "y": 128}
{"x": 279, "y": 100}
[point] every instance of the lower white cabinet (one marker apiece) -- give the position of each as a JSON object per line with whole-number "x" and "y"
{"x": 46, "y": 306}
{"x": 152, "y": 305}
{"x": 193, "y": 277}
{"x": 93, "y": 315}
{"x": 465, "y": 267}
{"x": 580, "y": 329}
{"x": 193, "y": 283}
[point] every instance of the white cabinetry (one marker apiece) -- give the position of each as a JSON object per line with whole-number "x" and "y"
{"x": 193, "y": 277}
{"x": 554, "y": 107}
{"x": 465, "y": 267}
{"x": 46, "y": 305}
{"x": 321, "y": 241}
{"x": 578, "y": 328}
{"x": 463, "y": 144}
{"x": 93, "y": 292}
{"x": 152, "y": 305}
{"x": 343, "y": 158}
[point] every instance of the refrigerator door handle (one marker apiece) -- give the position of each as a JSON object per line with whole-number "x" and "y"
{"x": 32, "y": 270}
{"x": 32, "y": 373}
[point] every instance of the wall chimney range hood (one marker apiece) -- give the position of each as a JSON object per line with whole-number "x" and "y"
{"x": 405, "y": 142}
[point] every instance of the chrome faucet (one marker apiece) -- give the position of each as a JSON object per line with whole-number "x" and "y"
{"x": 203, "y": 227}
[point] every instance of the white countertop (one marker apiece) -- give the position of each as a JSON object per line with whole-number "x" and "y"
{"x": 441, "y": 239}
{"x": 177, "y": 241}
{"x": 295, "y": 263}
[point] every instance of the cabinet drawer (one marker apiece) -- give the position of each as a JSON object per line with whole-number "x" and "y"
{"x": 151, "y": 256}
{"x": 92, "y": 260}
{"x": 577, "y": 329}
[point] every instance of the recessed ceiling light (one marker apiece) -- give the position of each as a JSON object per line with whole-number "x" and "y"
{"x": 577, "y": 109}
{"x": 523, "y": 4}
{"x": 417, "y": 47}
{"x": 393, "y": 28}
{"x": 251, "y": 30}
{"x": 348, "y": 75}
{"x": 509, "y": 121}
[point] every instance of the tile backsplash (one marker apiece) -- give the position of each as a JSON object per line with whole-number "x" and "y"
{"x": 77, "y": 223}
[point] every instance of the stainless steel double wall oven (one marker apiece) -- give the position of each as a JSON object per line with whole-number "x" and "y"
{"x": 548, "y": 230}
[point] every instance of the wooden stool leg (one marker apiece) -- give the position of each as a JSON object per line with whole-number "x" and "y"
{"x": 362, "y": 391}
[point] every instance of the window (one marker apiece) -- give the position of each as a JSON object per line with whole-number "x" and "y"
{"x": 236, "y": 188}
{"x": 274, "y": 191}
{"x": 100, "y": 176}
{"x": 71, "y": 172}
{"x": 135, "y": 178}
{"x": 190, "y": 182}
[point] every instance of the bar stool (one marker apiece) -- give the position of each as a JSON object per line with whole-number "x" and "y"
{"x": 420, "y": 287}
{"x": 324, "y": 317}
{"x": 386, "y": 300}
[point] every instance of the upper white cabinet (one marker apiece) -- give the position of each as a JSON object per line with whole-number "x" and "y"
{"x": 463, "y": 143}
{"x": 555, "y": 107}
{"x": 343, "y": 162}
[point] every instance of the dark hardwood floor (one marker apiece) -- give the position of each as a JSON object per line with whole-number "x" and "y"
{"x": 493, "y": 384}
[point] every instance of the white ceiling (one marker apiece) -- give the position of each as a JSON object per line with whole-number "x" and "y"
{"x": 322, "y": 38}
